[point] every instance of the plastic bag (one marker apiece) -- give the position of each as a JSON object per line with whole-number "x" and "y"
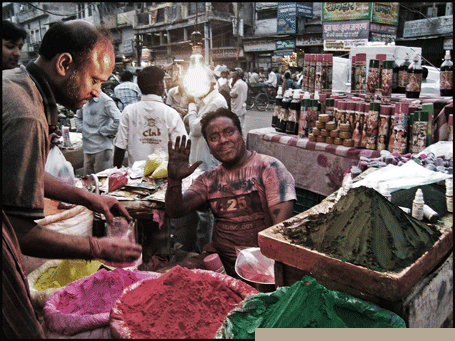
{"x": 305, "y": 304}
{"x": 252, "y": 265}
{"x": 57, "y": 166}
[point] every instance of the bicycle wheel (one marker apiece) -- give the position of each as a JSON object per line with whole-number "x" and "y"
{"x": 261, "y": 101}
{"x": 249, "y": 100}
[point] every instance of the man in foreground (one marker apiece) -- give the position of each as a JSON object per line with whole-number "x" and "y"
{"x": 247, "y": 192}
{"x": 75, "y": 57}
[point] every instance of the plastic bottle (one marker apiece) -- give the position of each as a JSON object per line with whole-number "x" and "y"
{"x": 347, "y": 183}
{"x": 431, "y": 215}
{"x": 284, "y": 112}
{"x": 386, "y": 80}
{"x": 446, "y": 76}
{"x": 386, "y": 192}
{"x": 417, "y": 205}
{"x": 304, "y": 110}
{"x": 327, "y": 73}
{"x": 353, "y": 77}
{"x": 449, "y": 195}
{"x": 66, "y": 136}
{"x": 373, "y": 76}
{"x": 329, "y": 108}
{"x": 429, "y": 108}
{"x": 419, "y": 131}
{"x": 292, "y": 124}
{"x": 403, "y": 75}
{"x": 277, "y": 108}
{"x": 395, "y": 70}
{"x": 360, "y": 72}
{"x": 415, "y": 73}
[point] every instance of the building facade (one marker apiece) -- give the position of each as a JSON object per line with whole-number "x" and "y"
{"x": 250, "y": 35}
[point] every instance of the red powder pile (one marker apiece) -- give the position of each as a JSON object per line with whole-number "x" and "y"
{"x": 178, "y": 304}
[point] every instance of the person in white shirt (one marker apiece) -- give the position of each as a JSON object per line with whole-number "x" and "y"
{"x": 200, "y": 152}
{"x": 254, "y": 77}
{"x": 147, "y": 126}
{"x": 223, "y": 82}
{"x": 177, "y": 99}
{"x": 238, "y": 94}
{"x": 272, "y": 80}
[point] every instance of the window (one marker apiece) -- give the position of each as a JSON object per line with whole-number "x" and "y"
{"x": 200, "y": 8}
{"x": 160, "y": 15}
{"x": 267, "y": 14}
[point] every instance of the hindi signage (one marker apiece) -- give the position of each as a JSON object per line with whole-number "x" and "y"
{"x": 342, "y": 30}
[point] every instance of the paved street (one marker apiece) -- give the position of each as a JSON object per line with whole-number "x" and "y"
{"x": 257, "y": 119}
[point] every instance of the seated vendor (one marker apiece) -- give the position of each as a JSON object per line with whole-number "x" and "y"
{"x": 247, "y": 192}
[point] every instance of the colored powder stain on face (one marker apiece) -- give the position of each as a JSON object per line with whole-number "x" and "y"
{"x": 98, "y": 294}
{"x": 179, "y": 304}
{"x": 365, "y": 229}
{"x": 66, "y": 272}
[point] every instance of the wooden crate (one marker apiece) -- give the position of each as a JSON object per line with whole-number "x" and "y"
{"x": 353, "y": 279}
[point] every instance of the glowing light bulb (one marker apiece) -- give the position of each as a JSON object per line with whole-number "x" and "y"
{"x": 196, "y": 81}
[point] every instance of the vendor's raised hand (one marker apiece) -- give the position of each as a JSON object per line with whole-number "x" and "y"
{"x": 116, "y": 249}
{"x": 178, "y": 166}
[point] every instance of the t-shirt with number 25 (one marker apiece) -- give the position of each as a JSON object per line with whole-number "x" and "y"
{"x": 240, "y": 200}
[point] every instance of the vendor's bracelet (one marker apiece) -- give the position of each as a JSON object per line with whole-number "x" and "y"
{"x": 95, "y": 250}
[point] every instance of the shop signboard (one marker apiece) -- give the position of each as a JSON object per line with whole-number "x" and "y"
{"x": 308, "y": 41}
{"x": 282, "y": 53}
{"x": 384, "y": 33}
{"x": 304, "y": 9}
{"x": 286, "y": 18}
{"x": 127, "y": 46}
{"x": 228, "y": 52}
{"x": 346, "y": 30}
{"x": 257, "y": 46}
{"x": 335, "y": 11}
{"x": 343, "y": 45}
{"x": 287, "y": 14}
{"x": 146, "y": 54}
{"x": 285, "y": 44}
{"x": 428, "y": 26}
{"x": 385, "y": 13}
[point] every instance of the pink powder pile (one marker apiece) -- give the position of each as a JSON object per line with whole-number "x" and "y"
{"x": 97, "y": 295}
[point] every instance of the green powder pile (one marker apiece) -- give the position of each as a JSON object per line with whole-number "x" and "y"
{"x": 365, "y": 229}
{"x": 305, "y": 304}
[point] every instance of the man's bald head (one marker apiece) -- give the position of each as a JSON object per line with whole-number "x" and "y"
{"x": 77, "y": 37}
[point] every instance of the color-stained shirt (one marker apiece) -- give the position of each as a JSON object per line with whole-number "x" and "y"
{"x": 98, "y": 121}
{"x": 28, "y": 109}
{"x": 146, "y": 127}
{"x": 128, "y": 93}
{"x": 240, "y": 200}
{"x": 25, "y": 144}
